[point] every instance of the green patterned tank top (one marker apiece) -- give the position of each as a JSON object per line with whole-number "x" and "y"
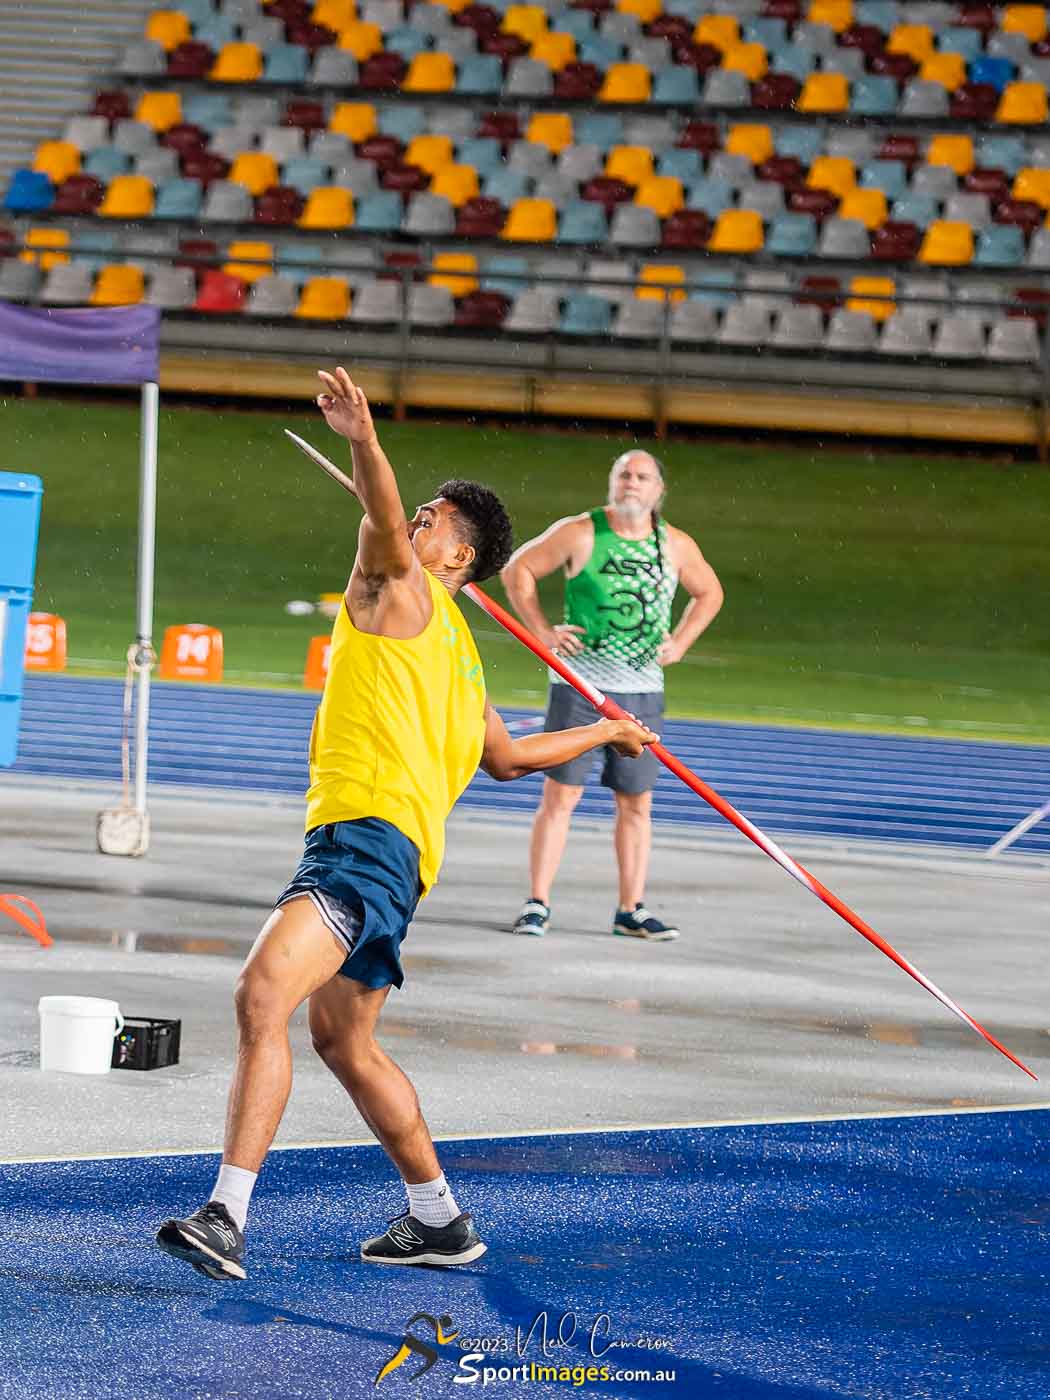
{"x": 622, "y": 599}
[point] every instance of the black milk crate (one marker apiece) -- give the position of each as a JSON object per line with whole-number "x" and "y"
{"x": 147, "y": 1042}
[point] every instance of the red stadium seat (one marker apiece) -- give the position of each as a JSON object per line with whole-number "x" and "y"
{"x": 79, "y": 194}
{"x": 205, "y": 166}
{"x": 305, "y": 114}
{"x": 480, "y": 218}
{"x": 1024, "y": 213}
{"x": 110, "y": 104}
{"x": 220, "y": 294}
{"x": 688, "y": 228}
{"x": 701, "y": 136}
{"x": 776, "y": 92}
{"x": 190, "y": 59}
{"x": 974, "y": 102}
{"x": 382, "y": 73}
{"x": 482, "y": 310}
{"x": 896, "y": 242}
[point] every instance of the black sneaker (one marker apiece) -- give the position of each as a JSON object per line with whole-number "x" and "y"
{"x": 409, "y": 1241}
{"x": 534, "y": 918}
{"x": 639, "y": 923}
{"x": 208, "y": 1239}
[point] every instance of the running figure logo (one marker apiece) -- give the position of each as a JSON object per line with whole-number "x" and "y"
{"x": 412, "y": 1345}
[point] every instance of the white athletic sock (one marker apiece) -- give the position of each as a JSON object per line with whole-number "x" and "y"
{"x": 432, "y": 1202}
{"x": 234, "y": 1190}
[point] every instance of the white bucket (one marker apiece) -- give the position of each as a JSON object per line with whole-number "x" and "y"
{"x": 76, "y": 1033}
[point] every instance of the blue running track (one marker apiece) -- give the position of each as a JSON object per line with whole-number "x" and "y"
{"x": 812, "y": 782}
{"x": 888, "y": 1259}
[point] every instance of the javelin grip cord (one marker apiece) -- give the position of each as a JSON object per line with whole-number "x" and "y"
{"x": 611, "y": 710}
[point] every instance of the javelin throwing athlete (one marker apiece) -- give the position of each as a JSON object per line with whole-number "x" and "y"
{"x": 401, "y": 728}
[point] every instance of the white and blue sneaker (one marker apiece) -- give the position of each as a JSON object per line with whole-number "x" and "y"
{"x": 534, "y": 918}
{"x": 640, "y": 923}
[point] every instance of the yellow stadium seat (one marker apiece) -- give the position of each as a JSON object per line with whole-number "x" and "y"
{"x": 57, "y": 160}
{"x": 751, "y": 139}
{"x": 834, "y": 173}
{"x": 127, "y": 197}
{"x": 260, "y": 262}
{"x": 255, "y": 170}
{"x": 531, "y": 221}
{"x": 948, "y": 69}
{"x": 626, "y": 82}
{"x": 947, "y": 244}
{"x": 1024, "y": 103}
{"x": 52, "y": 239}
{"x": 737, "y": 231}
{"x": 528, "y": 22}
{"x": 646, "y": 10}
{"x": 169, "y": 28}
{"x": 1029, "y": 20}
{"x": 723, "y": 31}
{"x": 456, "y": 183}
{"x": 662, "y": 194}
{"x": 448, "y": 264}
{"x": 361, "y": 39}
{"x": 915, "y": 40}
{"x": 658, "y": 280}
{"x": 328, "y": 207}
{"x": 864, "y": 291}
{"x": 825, "y": 92}
{"x": 1034, "y": 185}
{"x": 749, "y": 59}
{"x": 631, "y": 163}
{"x": 324, "y": 299}
{"x": 953, "y": 151}
{"x": 554, "y": 49}
{"x": 118, "y": 286}
{"x": 454, "y": 6}
{"x": 160, "y": 110}
{"x": 869, "y": 206}
{"x": 354, "y": 120}
{"x": 430, "y": 72}
{"x": 550, "y": 129}
{"x": 429, "y": 152}
{"x": 837, "y": 13}
{"x": 334, "y": 14}
{"x": 237, "y": 63}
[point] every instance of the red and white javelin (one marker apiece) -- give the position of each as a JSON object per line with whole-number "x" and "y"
{"x": 611, "y": 710}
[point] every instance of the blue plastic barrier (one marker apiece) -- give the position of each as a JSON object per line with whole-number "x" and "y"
{"x": 19, "y": 524}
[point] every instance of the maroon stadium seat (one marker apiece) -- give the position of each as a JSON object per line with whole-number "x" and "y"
{"x": 406, "y": 179}
{"x": 185, "y": 138}
{"x": 205, "y": 166}
{"x": 704, "y": 137}
{"x": 994, "y": 183}
{"x": 790, "y": 10}
{"x": 672, "y": 27}
{"x": 893, "y": 65}
{"x": 503, "y": 46}
{"x": 481, "y": 217}
{"x": 279, "y": 206}
{"x": 399, "y": 260}
{"x": 305, "y": 114}
{"x": 577, "y": 82}
{"x": 974, "y": 102}
{"x": 195, "y": 252}
{"x": 895, "y": 242}
{"x": 596, "y": 7}
{"x": 702, "y": 57}
{"x": 290, "y": 11}
{"x": 819, "y": 290}
{"x": 311, "y": 36}
{"x": 190, "y": 59}
{"x": 381, "y": 150}
{"x": 902, "y": 148}
{"x": 983, "y": 17}
{"x": 866, "y": 37}
{"x": 687, "y": 228}
{"x": 1025, "y": 213}
{"x": 80, "y": 194}
{"x": 776, "y": 92}
{"x": 817, "y": 203}
{"x": 782, "y": 170}
{"x": 7, "y": 243}
{"x": 382, "y": 73}
{"x": 482, "y": 310}
{"x": 607, "y": 190}
{"x": 500, "y": 126}
{"x": 111, "y": 104}
{"x": 483, "y": 19}
{"x": 1041, "y": 48}
{"x": 219, "y": 294}
{"x": 1034, "y": 303}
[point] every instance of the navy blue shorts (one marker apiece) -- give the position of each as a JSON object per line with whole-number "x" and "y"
{"x": 363, "y": 878}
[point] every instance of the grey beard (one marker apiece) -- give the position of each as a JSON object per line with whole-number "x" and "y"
{"x": 632, "y": 511}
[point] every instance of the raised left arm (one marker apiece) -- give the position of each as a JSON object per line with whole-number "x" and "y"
{"x": 705, "y": 599}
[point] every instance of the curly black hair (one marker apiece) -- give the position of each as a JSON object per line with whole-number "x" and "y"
{"x": 487, "y": 525}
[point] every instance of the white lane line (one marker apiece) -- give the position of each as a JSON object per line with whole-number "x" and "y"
{"x": 596, "y": 1128}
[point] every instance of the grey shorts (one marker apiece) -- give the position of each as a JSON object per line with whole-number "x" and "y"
{"x": 566, "y": 709}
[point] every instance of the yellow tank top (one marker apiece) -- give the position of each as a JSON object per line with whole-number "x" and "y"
{"x": 400, "y": 728}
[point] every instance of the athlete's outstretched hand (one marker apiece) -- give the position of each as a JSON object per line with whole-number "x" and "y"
{"x": 345, "y": 407}
{"x": 628, "y": 737}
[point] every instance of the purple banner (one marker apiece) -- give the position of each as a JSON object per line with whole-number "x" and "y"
{"x": 111, "y": 345}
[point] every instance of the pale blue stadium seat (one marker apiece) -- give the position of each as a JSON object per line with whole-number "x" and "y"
{"x": 482, "y": 152}
{"x": 480, "y": 76}
{"x": 505, "y": 273}
{"x": 711, "y": 196}
{"x": 958, "y": 39}
{"x": 178, "y": 199}
{"x": 304, "y": 174}
{"x": 216, "y": 32}
{"x": 793, "y": 59}
{"x": 601, "y": 129}
{"x": 600, "y": 51}
{"x": 889, "y": 176}
{"x": 770, "y": 33}
{"x": 210, "y": 110}
{"x": 918, "y": 209}
{"x": 405, "y": 121}
{"x": 406, "y": 41}
{"x": 586, "y": 315}
{"x": 999, "y": 245}
{"x": 804, "y": 142}
{"x": 379, "y": 212}
{"x": 507, "y": 185}
{"x": 1009, "y": 153}
{"x": 883, "y": 14}
{"x": 578, "y": 23}
{"x": 716, "y": 286}
{"x": 682, "y": 165}
{"x": 792, "y": 236}
{"x": 106, "y": 161}
{"x": 582, "y": 221}
{"x": 873, "y": 95}
{"x": 286, "y": 63}
{"x": 676, "y": 84}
